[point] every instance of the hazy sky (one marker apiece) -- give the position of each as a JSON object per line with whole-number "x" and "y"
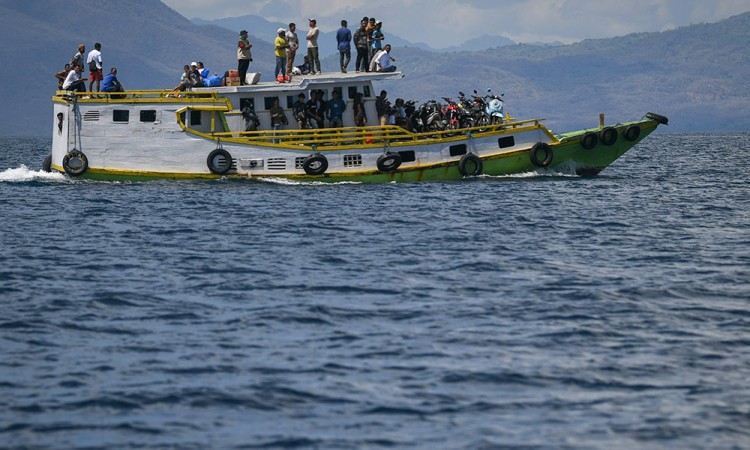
{"x": 442, "y": 23}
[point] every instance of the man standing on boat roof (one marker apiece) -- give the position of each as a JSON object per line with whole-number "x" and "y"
{"x": 78, "y": 59}
{"x": 312, "y": 47}
{"x": 281, "y": 47}
{"x": 344, "y": 38}
{"x": 244, "y": 56}
{"x": 94, "y": 60}
{"x": 291, "y": 51}
{"x": 360, "y": 42}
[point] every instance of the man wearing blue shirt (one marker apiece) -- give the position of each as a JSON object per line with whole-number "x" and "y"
{"x": 344, "y": 38}
{"x": 112, "y": 84}
{"x": 336, "y": 108}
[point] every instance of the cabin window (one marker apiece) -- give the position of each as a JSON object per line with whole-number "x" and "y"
{"x": 148, "y": 115}
{"x": 120, "y": 115}
{"x": 459, "y": 149}
{"x": 408, "y": 156}
{"x": 505, "y": 142}
{"x": 352, "y": 160}
{"x": 268, "y": 102}
{"x": 352, "y": 92}
{"x": 195, "y": 117}
{"x": 366, "y": 91}
{"x": 290, "y": 101}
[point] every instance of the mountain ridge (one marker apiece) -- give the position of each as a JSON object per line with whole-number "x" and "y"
{"x": 698, "y": 75}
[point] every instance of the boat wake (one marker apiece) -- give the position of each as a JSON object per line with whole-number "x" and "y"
{"x": 23, "y": 174}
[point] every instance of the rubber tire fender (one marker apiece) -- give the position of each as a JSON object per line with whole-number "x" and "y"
{"x": 470, "y": 158}
{"x": 389, "y": 162}
{"x": 75, "y": 171}
{"x": 534, "y": 154}
{"x": 217, "y": 167}
{"x": 632, "y": 133}
{"x": 315, "y": 164}
{"x": 47, "y": 164}
{"x": 608, "y": 135}
{"x": 589, "y": 140}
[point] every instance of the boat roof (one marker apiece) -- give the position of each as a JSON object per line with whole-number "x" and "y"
{"x": 302, "y": 82}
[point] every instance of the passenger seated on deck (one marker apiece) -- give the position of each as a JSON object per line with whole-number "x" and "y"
{"x": 303, "y": 69}
{"x": 187, "y": 80}
{"x": 384, "y": 59}
{"x": 205, "y": 73}
{"x": 73, "y": 81}
{"x": 112, "y": 84}
{"x": 61, "y": 76}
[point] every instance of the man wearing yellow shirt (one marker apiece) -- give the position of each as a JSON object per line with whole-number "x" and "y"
{"x": 281, "y": 47}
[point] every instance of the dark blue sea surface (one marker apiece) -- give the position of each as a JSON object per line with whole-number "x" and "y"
{"x": 536, "y": 311}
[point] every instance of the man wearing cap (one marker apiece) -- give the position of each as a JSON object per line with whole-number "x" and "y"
{"x": 281, "y": 46}
{"x": 376, "y": 38}
{"x": 312, "y": 47}
{"x": 197, "y": 77}
{"x": 244, "y": 57}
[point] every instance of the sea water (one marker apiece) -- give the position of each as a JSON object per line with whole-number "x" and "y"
{"x": 543, "y": 310}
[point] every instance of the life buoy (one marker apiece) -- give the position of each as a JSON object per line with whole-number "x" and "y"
{"x": 315, "y": 164}
{"x": 389, "y": 162}
{"x": 219, "y": 161}
{"x": 534, "y": 154}
{"x": 658, "y": 117}
{"x": 75, "y": 163}
{"x": 470, "y": 165}
{"x": 631, "y": 133}
{"x": 589, "y": 140}
{"x": 608, "y": 135}
{"x": 47, "y": 164}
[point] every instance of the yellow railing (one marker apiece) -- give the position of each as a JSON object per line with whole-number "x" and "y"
{"x": 331, "y": 138}
{"x": 140, "y": 96}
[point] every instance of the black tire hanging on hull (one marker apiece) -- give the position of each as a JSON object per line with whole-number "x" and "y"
{"x": 589, "y": 140}
{"x": 315, "y": 164}
{"x": 219, "y": 161}
{"x": 47, "y": 164}
{"x": 535, "y": 157}
{"x": 632, "y": 133}
{"x": 470, "y": 165}
{"x": 608, "y": 135}
{"x": 75, "y": 163}
{"x": 389, "y": 162}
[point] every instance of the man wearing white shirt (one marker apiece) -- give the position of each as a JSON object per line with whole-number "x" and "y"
{"x": 94, "y": 60}
{"x": 73, "y": 81}
{"x": 384, "y": 60}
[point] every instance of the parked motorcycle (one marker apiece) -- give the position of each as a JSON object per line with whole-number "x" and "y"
{"x": 494, "y": 108}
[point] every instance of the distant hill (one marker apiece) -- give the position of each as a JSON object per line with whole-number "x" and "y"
{"x": 697, "y": 75}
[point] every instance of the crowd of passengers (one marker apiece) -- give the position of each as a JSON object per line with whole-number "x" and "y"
{"x": 372, "y": 56}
